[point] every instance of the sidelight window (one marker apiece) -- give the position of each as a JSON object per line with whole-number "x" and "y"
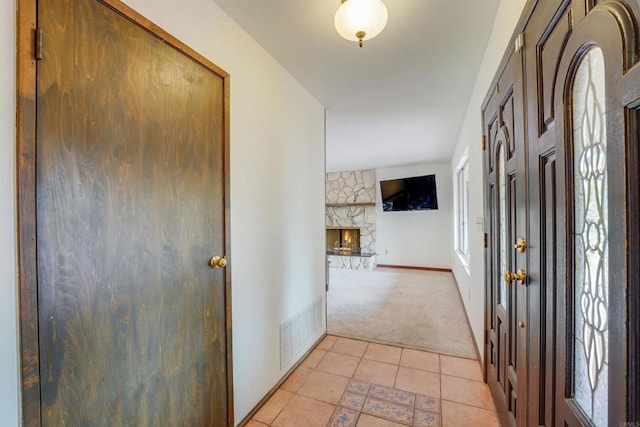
{"x": 501, "y": 167}
{"x": 462, "y": 211}
{"x": 590, "y": 241}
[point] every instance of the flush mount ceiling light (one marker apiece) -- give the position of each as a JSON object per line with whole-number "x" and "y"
{"x": 360, "y": 20}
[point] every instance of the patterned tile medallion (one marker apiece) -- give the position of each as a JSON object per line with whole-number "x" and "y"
{"x": 426, "y": 419}
{"x": 392, "y": 395}
{"x": 390, "y": 411}
{"x": 352, "y": 400}
{"x": 357, "y": 386}
{"x": 427, "y": 403}
{"x": 343, "y": 417}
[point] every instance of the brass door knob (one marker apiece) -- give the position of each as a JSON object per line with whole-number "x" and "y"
{"x": 520, "y": 276}
{"x": 508, "y": 277}
{"x": 521, "y": 324}
{"x": 217, "y": 262}
{"x": 521, "y": 245}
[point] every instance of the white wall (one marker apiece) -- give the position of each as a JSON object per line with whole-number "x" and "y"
{"x": 9, "y": 368}
{"x": 416, "y": 238}
{"x": 277, "y": 194}
{"x": 472, "y": 283}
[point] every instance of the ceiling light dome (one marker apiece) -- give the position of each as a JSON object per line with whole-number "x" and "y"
{"x": 360, "y": 20}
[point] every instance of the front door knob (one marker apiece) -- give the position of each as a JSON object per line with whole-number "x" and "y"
{"x": 217, "y": 262}
{"x": 520, "y": 276}
{"x": 508, "y": 277}
{"x": 521, "y": 245}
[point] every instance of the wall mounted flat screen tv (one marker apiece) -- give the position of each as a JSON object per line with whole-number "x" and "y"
{"x": 409, "y": 194}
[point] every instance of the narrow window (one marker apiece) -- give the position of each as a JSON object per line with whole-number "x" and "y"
{"x": 462, "y": 211}
{"x": 501, "y": 167}
{"x": 590, "y": 241}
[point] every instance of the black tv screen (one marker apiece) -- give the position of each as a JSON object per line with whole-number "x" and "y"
{"x": 409, "y": 194}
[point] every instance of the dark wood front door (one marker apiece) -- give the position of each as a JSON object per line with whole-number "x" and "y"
{"x": 506, "y": 299}
{"x": 130, "y": 195}
{"x": 580, "y": 143}
{"x": 580, "y": 169}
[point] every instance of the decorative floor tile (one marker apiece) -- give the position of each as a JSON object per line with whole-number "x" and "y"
{"x": 343, "y": 417}
{"x": 391, "y": 395}
{"x": 426, "y": 419}
{"x": 352, "y": 400}
{"x": 390, "y": 411}
{"x": 333, "y": 388}
{"x": 427, "y": 403}
{"x": 357, "y": 386}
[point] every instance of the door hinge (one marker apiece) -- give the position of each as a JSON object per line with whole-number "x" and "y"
{"x": 484, "y": 142}
{"x": 486, "y": 240}
{"x": 38, "y": 44}
{"x": 519, "y": 42}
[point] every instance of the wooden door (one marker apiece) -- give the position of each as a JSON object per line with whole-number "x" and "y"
{"x": 582, "y": 116}
{"x": 130, "y": 193}
{"x": 506, "y": 265}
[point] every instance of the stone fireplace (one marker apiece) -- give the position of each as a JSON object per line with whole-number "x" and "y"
{"x": 351, "y": 219}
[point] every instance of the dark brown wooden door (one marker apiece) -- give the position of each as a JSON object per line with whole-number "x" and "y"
{"x": 582, "y": 124}
{"x": 130, "y": 207}
{"x": 506, "y": 266}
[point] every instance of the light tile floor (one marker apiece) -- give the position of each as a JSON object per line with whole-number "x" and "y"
{"x": 347, "y": 383}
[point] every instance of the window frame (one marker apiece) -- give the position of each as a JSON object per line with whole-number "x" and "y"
{"x": 461, "y": 211}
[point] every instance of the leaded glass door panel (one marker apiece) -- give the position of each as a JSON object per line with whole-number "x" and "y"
{"x": 585, "y": 325}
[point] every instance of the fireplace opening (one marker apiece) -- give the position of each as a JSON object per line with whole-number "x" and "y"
{"x": 343, "y": 239}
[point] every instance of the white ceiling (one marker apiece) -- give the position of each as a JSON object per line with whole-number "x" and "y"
{"x": 399, "y": 100}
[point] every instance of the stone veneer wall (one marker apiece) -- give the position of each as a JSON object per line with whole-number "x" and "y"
{"x": 353, "y": 188}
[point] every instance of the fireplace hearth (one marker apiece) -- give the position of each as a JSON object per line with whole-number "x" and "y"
{"x": 343, "y": 240}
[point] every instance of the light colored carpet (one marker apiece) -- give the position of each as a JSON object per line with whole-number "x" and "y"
{"x": 412, "y": 308}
